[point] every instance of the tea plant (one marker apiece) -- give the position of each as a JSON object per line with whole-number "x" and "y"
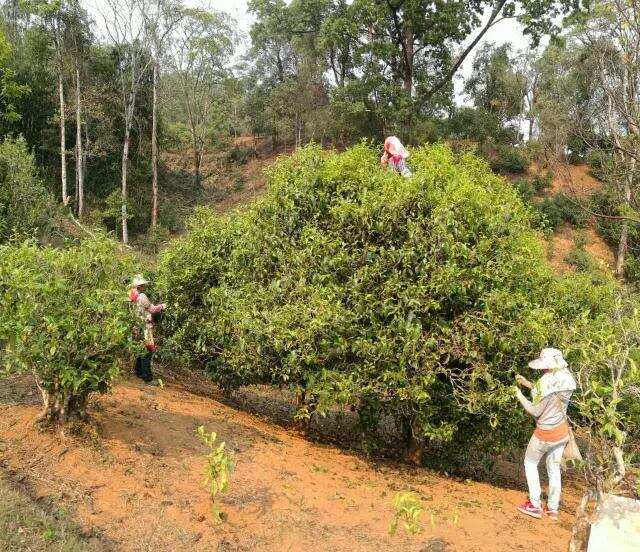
{"x": 408, "y": 509}
{"x": 219, "y": 467}
{"x": 414, "y": 299}
{"x": 64, "y": 318}
{"x": 607, "y": 407}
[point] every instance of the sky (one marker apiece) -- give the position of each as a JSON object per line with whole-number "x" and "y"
{"x": 504, "y": 31}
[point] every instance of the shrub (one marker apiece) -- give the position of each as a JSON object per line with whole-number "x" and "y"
{"x": 408, "y": 509}
{"x": 176, "y": 135}
{"x": 606, "y": 367}
{"x": 571, "y": 210}
{"x": 527, "y": 188}
{"x": 579, "y": 257}
{"x": 508, "y": 160}
{"x": 542, "y": 182}
{"x": 411, "y": 298}
{"x": 560, "y": 208}
{"x": 607, "y": 203}
{"x": 241, "y": 154}
{"x": 578, "y": 148}
{"x": 63, "y": 317}
{"x": 550, "y": 212}
{"x": 599, "y": 162}
{"x": 154, "y": 240}
{"x": 632, "y": 268}
{"x": 26, "y": 207}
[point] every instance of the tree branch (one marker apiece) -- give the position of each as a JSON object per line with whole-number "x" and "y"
{"x": 461, "y": 58}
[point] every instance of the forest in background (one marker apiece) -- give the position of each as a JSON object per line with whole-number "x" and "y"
{"x": 99, "y": 96}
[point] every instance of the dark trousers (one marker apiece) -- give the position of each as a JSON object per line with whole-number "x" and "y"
{"x": 143, "y": 367}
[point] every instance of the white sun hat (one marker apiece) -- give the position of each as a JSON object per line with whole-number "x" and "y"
{"x": 139, "y": 280}
{"x": 549, "y": 359}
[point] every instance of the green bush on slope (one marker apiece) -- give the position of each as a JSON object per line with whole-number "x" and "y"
{"x": 64, "y": 317}
{"x": 26, "y": 207}
{"x": 417, "y": 298}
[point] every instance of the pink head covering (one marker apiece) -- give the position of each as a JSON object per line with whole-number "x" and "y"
{"x": 394, "y": 147}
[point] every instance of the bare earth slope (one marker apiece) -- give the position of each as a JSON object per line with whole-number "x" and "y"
{"x": 137, "y": 485}
{"x": 575, "y": 181}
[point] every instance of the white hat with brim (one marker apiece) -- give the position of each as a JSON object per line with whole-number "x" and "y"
{"x": 139, "y": 280}
{"x": 549, "y": 359}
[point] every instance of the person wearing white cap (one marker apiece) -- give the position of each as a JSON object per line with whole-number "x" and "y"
{"x": 147, "y": 312}
{"x": 550, "y": 399}
{"x": 395, "y": 155}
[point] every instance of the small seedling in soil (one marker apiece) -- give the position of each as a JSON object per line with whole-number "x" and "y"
{"x": 219, "y": 467}
{"x": 408, "y": 509}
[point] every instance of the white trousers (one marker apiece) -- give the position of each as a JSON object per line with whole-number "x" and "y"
{"x": 553, "y": 452}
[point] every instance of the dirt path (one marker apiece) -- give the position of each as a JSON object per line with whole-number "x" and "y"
{"x": 138, "y": 484}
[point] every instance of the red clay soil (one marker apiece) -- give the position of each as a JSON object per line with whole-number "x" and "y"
{"x": 574, "y": 181}
{"x": 253, "y": 187}
{"x": 137, "y": 484}
{"x": 228, "y": 186}
{"x": 563, "y": 241}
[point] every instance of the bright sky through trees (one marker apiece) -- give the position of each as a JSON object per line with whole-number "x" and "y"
{"x": 506, "y": 31}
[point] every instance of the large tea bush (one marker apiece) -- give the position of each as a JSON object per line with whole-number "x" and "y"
{"x": 26, "y": 208}
{"x": 417, "y": 298}
{"x": 64, "y": 317}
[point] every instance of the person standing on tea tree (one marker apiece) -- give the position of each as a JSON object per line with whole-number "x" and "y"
{"x": 394, "y": 156}
{"x": 550, "y": 399}
{"x": 148, "y": 312}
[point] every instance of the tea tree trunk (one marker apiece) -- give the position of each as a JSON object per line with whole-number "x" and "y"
{"x": 580, "y": 532}
{"x": 415, "y": 445}
{"x": 60, "y": 404}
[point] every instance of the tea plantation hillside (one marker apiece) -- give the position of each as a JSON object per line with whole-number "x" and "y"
{"x": 416, "y": 298}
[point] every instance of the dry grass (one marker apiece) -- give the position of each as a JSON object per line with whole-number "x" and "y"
{"x": 27, "y": 526}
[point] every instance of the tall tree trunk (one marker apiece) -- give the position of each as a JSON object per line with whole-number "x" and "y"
{"x": 79, "y": 160}
{"x": 154, "y": 147}
{"x": 407, "y": 83}
{"x": 125, "y": 164}
{"x": 197, "y": 161}
{"x": 624, "y": 233}
{"x": 85, "y": 152}
{"x": 622, "y": 249}
{"x": 63, "y": 138}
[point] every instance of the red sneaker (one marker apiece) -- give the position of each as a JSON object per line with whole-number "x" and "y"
{"x": 551, "y": 514}
{"x": 529, "y": 509}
